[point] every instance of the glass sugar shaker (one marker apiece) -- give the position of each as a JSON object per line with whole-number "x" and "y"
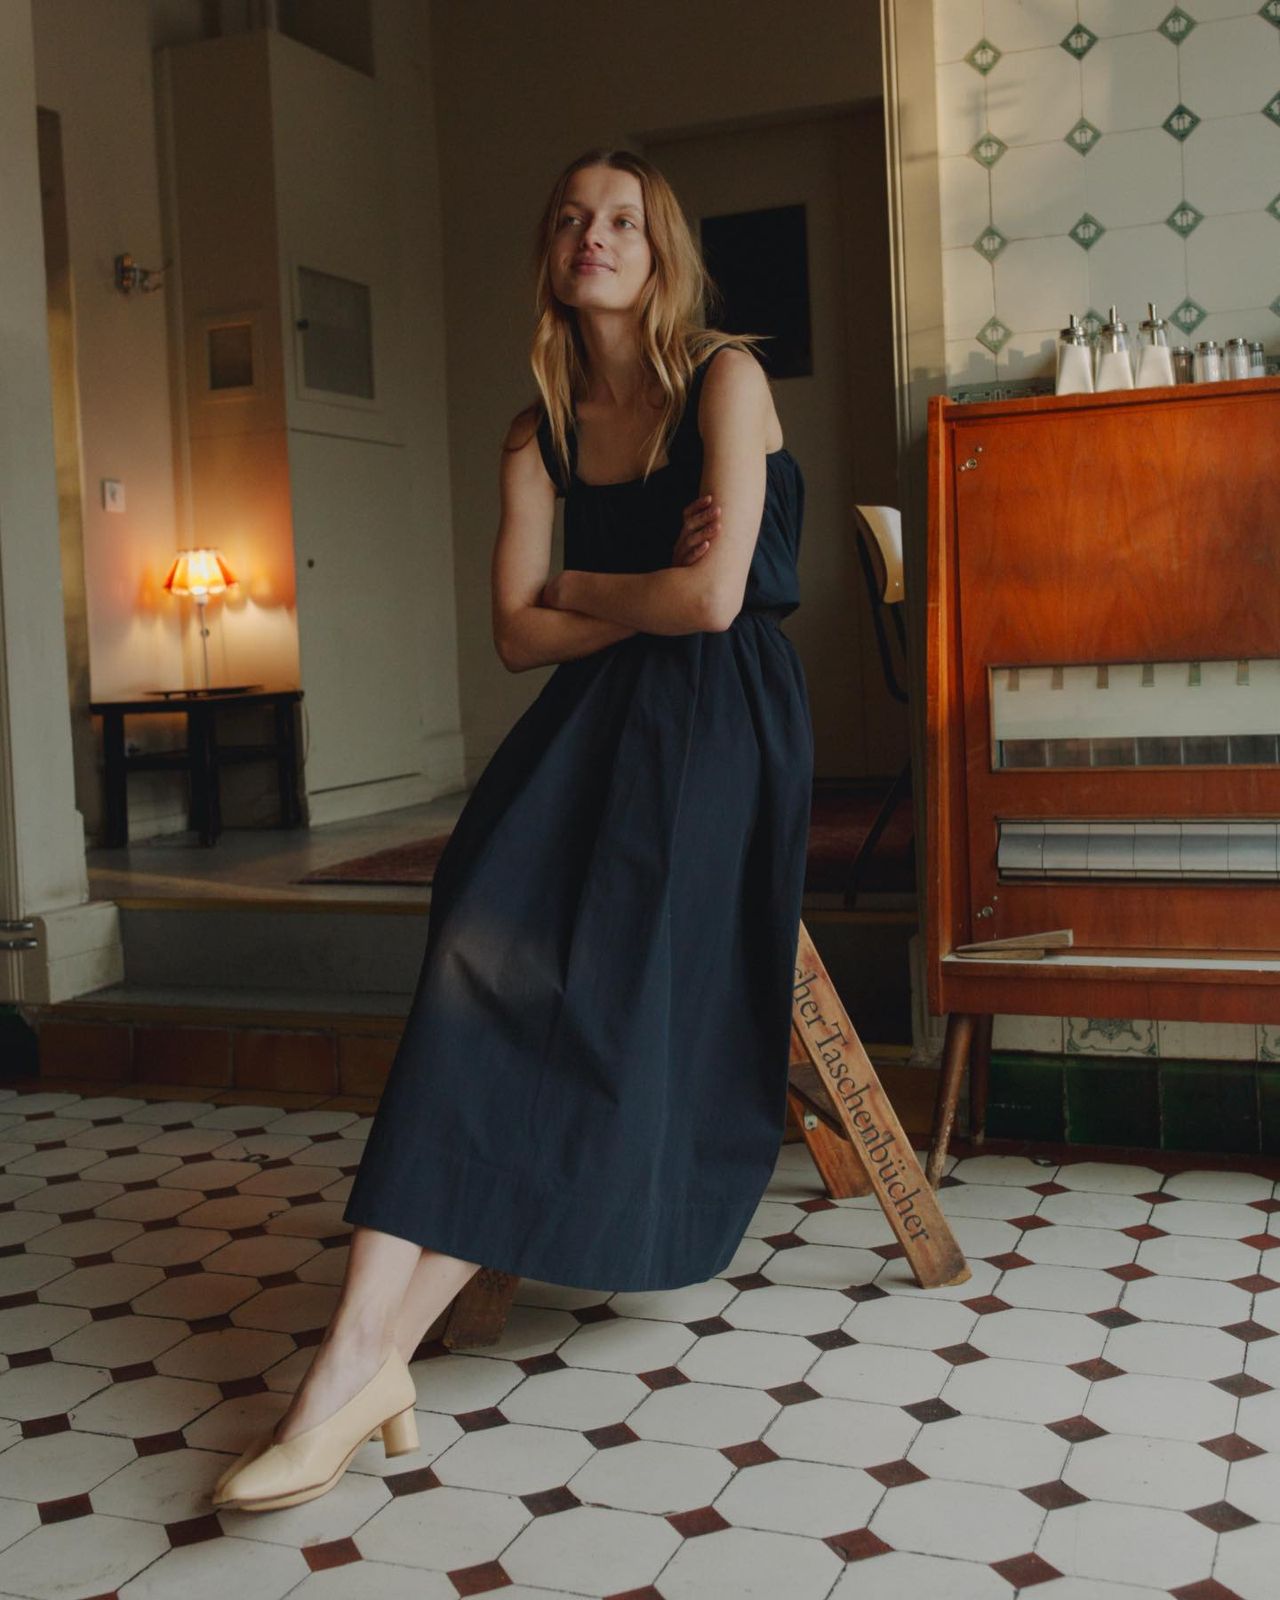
{"x": 1235, "y": 362}
{"x": 1115, "y": 370}
{"x": 1182, "y": 364}
{"x": 1207, "y": 365}
{"x": 1257, "y": 360}
{"x": 1075, "y": 360}
{"x": 1154, "y": 357}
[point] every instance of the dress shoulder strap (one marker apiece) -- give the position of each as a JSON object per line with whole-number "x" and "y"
{"x": 549, "y": 458}
{"x": 688, "y": 439}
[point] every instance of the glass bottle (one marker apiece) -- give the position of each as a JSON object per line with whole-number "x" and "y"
{"x": 1208, "y": 361}
{"x": 1235, "y": 362}
{"x": 1114, "y": 368}
{"x": 1257, "y": 360}
{"x": 1182, "y": 364}
{"x": 1155, "y": 359}
{"x": 1075, "y": 360}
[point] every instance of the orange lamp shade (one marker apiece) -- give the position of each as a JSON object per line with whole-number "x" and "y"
{"x": 199, "y": 573}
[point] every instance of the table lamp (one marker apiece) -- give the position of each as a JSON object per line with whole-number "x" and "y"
{"x": 200, "y": 573}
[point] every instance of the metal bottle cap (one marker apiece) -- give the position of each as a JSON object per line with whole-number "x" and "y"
{"x": 1073, "y": 333}
{"x": 1236, "y": 344}
{"x": 1152, "y": 321}
{"x": 1208, "y": 345}
{"x": 1113, "y": 323}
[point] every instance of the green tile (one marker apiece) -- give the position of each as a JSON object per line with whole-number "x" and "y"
{"x": 994, "y": 335}
{"x": 1083, "y": 136}
{"x": 1269, "y": 1108}
{"x": 988, "y": 150}
{"x": 1087, "y": 231}
{"x": 1177, "y": 25}
{"x": 1210, "y": 1106}
{"x": 1181, "y": 122}
{"x": 1184, "y": 218}
{"x": 1113, "y": 1100}
{"x": 1025, "y": 1098}
{"x": 983, "y": 56}
{"x": 1188, "y": 315}
{"x": 1079, "y": 41}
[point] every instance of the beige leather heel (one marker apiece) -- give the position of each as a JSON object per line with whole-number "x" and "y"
{"x": 400, "y": 1433}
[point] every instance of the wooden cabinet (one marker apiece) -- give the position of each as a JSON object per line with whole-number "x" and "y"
{"x": 1104, "y": 701}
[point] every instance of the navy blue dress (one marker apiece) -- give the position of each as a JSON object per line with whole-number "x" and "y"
{"x": 591, "y": 1085}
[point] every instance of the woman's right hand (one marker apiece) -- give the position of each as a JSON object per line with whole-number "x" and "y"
{"x": 701, "y": 524}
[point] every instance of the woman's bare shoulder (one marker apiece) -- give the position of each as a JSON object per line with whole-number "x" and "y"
{"x": 523, "y": 426}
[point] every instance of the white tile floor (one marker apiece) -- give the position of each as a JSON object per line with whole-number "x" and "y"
{"x": 1094, "y": 1415}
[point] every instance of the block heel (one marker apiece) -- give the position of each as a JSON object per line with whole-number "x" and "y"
{"x": 400, "y": 1433}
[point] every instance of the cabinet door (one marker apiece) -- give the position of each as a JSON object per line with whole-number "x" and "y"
{"x": 1130, "y": 537}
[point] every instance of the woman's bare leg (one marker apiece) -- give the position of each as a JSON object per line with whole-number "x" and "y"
{"x": 392, "y": 1292}
{"x": 436, "y": 1280}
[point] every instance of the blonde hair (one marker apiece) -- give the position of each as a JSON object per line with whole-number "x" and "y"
{"x": 674, "y": 339}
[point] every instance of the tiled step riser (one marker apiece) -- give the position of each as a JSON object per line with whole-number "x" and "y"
{"x": 314, "y": 1061}
{"x": 1226, "y": 1106}
{"x": 320, "y": 951}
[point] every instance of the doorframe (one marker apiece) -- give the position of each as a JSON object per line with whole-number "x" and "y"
{"x": 919, "y": 348}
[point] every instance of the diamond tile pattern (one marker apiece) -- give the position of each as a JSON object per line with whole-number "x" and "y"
{"x": 811, "y": 1425}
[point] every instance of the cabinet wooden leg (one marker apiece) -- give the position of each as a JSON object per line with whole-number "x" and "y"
{"x": 955, "y": 1054}
{"x": 979, "y": 1077}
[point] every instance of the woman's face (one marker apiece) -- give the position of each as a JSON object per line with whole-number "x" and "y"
{"x": 600, "y": 256}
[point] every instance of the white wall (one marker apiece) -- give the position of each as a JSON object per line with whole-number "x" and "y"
{"x": 521, "y": 90}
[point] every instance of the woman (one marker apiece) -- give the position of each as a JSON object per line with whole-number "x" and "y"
{"x": 590, "y": 1087}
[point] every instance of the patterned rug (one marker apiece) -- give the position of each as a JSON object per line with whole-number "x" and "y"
{"x": 841, "y": 817}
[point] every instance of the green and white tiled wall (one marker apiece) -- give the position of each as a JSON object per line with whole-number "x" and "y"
{"x": 1094, "y": 152}
{"x": 1139, "y": 1083}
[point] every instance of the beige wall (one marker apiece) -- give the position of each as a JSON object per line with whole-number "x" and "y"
{"x": 93, "y": 67}
{"x": 521, "y": 90}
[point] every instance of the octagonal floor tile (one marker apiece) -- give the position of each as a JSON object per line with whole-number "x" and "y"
{"x": 210, "y": 1570}
{"x": 1029, "y": 1335}
{"x": 458, "y": 1383}
{"x": 784, "y": 1308}
{"x": 1175, "y": 1350}
{"x": 224, "y": 1355}
{"x": 647, "y": 1475}
{"x": 143, "y": 1406}
{"x": 121, "y": 1341}
{"x": 1127, "y": 1544}
{"x": 1018, "y": 1391}
{"x": 52, "y": 1466}
{"x": 991, "y": 1450}
{"x": 82, "y": 1556}
{"x": 750, "y": 1564}
{"x": 575, "y": 1397}
{"x": 48, "y": 1389}
{"x": 1160, "y": 1408}
{"x": 518, "y": 1458}
{"x": 845, "y": 1433}
{"x": 899, "y": 1573}
{"x": 711, "y": 1414}
{"x": 975, "y": 1522}
{"x": 630, "y": 1344}
{"x": 885, "y": 1373}
{"x": 592, "y": 1549}
{"x": 446, "y": 1529}
{"x": 1172, "y": 1473}
{"x": 803, "y": 1497}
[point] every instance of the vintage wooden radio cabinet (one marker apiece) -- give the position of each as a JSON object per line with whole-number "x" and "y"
{"x": 1103, "y": 715}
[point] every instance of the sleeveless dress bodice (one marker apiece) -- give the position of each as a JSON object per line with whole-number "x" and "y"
{"x": 632, "y": 525}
